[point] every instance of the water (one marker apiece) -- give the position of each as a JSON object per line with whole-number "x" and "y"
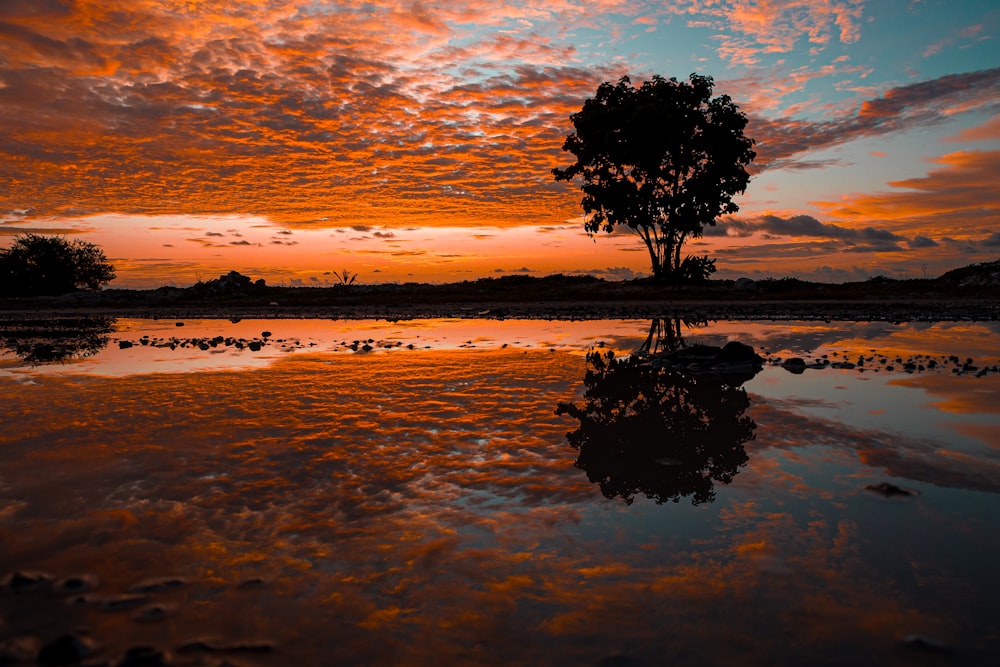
{"x": 486, "y": 492}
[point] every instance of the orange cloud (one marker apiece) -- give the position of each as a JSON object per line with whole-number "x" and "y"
{"x": 959, "y": 198}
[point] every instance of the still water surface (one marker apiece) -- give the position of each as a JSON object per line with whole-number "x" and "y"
{"x": 502, "y": 493}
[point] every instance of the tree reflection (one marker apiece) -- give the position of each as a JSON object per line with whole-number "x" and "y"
{"x": 56, "y": 340}
{"x": 667, "y": 421}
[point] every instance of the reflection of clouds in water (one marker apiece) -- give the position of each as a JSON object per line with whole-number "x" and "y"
{"x": 423, "y": 508}
{"x": 788, "y": 429}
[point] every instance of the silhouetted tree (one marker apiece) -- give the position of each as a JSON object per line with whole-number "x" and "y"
{"x": 662, "y": 160}
{"x": 35, "y": 265}
{"x": 658, "y": 429}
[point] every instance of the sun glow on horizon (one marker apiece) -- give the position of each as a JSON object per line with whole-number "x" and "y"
{"x": 326, "y": 119}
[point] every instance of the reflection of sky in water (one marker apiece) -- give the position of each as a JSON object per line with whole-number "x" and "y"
{"x": 422, "y": 506}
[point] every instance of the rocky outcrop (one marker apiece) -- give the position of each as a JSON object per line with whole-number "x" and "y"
{"x": 732, "y": 358}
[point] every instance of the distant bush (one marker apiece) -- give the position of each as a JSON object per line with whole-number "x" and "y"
{"x": 230, "y": 283}
{"x": 781, "y": 284}
{"x": 39, "y": 265}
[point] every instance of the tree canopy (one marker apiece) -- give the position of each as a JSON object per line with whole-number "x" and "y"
{"x": 40, "y": 265}
{"x": 663, "y": 160}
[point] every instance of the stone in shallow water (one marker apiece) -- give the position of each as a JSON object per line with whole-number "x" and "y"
{"x": 253, "y": 582}
{"x": 158, "y": 585}
{"x": 67, "y": 650}
{"x": 887, "y": 490}
{"x": 144, "y": 656}
{"x": 795, "y": 365}
{"x": 18, "y": 649}
{"x": 120, "y": 602}
{"x": 154, "y": 612}
{"x": 26, "y": 580}
{"x": 925, "y": 644}
{"x": 216, "y": 646}
{"x": 76, "y": 584}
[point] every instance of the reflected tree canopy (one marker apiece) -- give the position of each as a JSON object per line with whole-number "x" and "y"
{"x": 56, "y": 340}
{"x": 667, "y": 421}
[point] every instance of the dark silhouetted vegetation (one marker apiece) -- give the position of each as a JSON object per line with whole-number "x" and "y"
{"x": 969, "y": 293}
{"x": 39, "y": 265}
{"x": 663, "y": 160}
{"x": 345, "y": 277}
{"x": 55, "y": 340}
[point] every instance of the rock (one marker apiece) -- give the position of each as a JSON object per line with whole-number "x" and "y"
{"x": 144, "y": 656}
{"x": 18, "y": 649}
{"x": 82, "y": 583}
{"x": 746, "y": 284}
{"x": 120, "y": 602}
{"x": 925, "y": 644}
{"x": 621, "y": 660}
{"x": 154, "y": 612}
{"x": 887, "y": 490}
{"x": 67, "y": 650}
{"x": 158, "y": 584}
{"x": 733, "y": 358}
{"x": 21, "y": 581}
{"x": 213, "y": 646}
{"x": 735, "y": 351}
{"x": 795, "y": 365}
{"x": 125, "y": 344}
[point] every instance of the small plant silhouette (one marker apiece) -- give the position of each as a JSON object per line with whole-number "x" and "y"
{"x": 345, "y": 277}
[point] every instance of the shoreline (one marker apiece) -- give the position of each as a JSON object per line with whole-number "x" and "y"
{"x": 917, "y": 310}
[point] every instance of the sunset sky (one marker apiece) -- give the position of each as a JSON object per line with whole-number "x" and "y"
{"x": 405, "y": 141}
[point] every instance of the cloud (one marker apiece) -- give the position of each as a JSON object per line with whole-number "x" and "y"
{"x": 987, "y": 131}
{"x": 960, "y": 196}
{"x": 921, "y": 241}
{"x": 904, "y": 107}
{"x": 334, "y": 117}
{"x": 804, "y": 226}
{"x": 747, "y": 30}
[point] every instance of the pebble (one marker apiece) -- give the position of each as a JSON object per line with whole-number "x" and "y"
{"x": 75, "y": 585}
{"x": 120, "y": 602}
{"x": 158, "y": 585}
{"x": 18, "y": 649}
{"x": 887, "y": 490}
{"x": 154, "y": 612}
{"x": 67, "y": 650}
{"x": 21, "y": 581}
{"x": 925, "y": 644}
{"x": 144, "y": 656}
